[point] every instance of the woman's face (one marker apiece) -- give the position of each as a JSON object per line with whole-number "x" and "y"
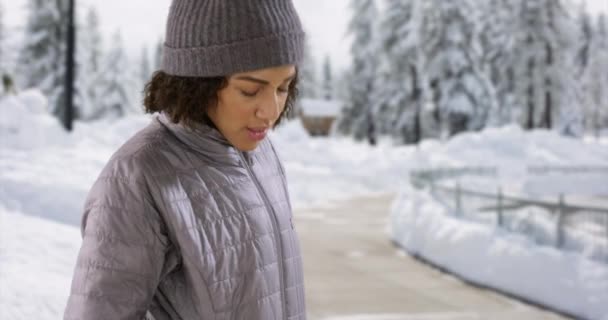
{"x": 250, "y": 104}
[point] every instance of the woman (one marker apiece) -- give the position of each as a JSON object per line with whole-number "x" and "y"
{"x": 191, "y": 218}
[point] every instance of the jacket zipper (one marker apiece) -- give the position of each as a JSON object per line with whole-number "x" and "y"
{"x": 164, "y": 302}
{"x": 275, "y": 224}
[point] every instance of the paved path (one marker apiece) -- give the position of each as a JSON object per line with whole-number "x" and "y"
{"x": 353, "y": 272}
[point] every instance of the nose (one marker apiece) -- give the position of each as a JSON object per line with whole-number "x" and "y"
{"x": 269, "y": 108}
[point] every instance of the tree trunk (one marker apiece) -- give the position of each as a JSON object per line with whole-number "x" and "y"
{"x": 548, "y": 98}
{"x": 530, "y": 119}
{"x": 416, "y": 100}
{"x": 69, "y": 76}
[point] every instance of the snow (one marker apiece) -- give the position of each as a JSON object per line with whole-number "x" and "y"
{"x": 320, "y": 107}
{"x": 29, "y": 107}
{"x": 564, "y": 280}
{"x": 46, "y": 173}
{"x": 36, "y": 258}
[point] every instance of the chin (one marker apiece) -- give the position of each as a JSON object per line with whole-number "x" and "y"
{"x": 247, "y": 146}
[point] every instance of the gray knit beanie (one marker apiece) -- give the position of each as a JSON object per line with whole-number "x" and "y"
{"x": 207, "y": 38}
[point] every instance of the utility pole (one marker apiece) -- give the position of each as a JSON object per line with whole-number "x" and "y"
{"x": 68, "y": 114}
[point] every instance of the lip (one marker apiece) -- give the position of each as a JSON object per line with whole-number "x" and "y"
{"x": 257, "y": 134}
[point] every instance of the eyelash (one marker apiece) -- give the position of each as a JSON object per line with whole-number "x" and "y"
{"x": 253, "y": 94}
{"x": 248, "y": 94}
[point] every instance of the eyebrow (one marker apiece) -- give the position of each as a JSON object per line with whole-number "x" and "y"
{"x": 256, "y": 80}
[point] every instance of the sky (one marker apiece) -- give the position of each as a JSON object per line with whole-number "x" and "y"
{"x": 143, "y": 24}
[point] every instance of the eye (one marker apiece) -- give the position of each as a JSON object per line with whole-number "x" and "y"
{"x": 283, "y": 90}
{"x": 249, "y": 94}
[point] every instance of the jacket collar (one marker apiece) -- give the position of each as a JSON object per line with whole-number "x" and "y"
{"x": 207, "y": 141}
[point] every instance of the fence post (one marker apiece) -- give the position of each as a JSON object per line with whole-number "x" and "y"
{"x": 499, "y": 208}
{"x": 560, "y": 221}
{"x": 458, "y": 196}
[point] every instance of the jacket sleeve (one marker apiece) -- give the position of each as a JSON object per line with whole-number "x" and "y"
{"x": 122, "y": 254}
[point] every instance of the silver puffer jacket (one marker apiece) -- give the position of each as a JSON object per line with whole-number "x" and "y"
{"x": 182, "y": 226}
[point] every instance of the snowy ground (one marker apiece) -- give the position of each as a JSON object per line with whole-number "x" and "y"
{"x": 45, "y": 175}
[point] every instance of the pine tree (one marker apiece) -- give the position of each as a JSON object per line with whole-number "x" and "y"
{"x": 544, "y": 42}
{"x": 595, "y": 79}
{"x": 145, "y": 71}
{"x": 462, "y": 93}
{"x": 356, "y": 117}
{"x": 7, "y": 85}
{"x": 496, "y": 32}
{"x": 307, "y": 75}
{"x": 582, "y": 60}
{"x": 158, "y": 55}
{"x": 327, "y": 80}
{"x": 398, "y": 92}
{"x": 92, "y": 40}
{"x": 42, "y": 61}
{"x": 116, "y": 83}
{"x": 583, "y": 45}
{"x": 2, "y": 48}
{"x": 88, "y": 78}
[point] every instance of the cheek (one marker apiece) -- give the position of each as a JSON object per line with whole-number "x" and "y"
{"x": 233, "y": 110}
{"x": 238, "y": 114}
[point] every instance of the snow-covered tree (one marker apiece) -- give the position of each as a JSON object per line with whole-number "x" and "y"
{"x": 328, "y": 86}
{"x": 457, "y": 65}
{"x": 398, "y": 95}
{"x": 92, "y": 43}
{"x": 583, "y": 46}
{"x": 88, "y": 76}
{"x": 462, "y": 93}
{"x": 145, "y": 71}
{"x": 341, "y": 86}
{"x": 308, "y": 83}
{"x": 495, "y": 32}
{"x": 582, "y": 59}
{"x": 356, "y": 117}
{"x": 158, "y": 55}
{"x": 42, "y": 60}
{"x": 544, "y": 42}
{"x": 2, "y": 48}
{"x": 595, "y": 78}
{"x": 7, "y": 84}
{"x": 117, "y": 83}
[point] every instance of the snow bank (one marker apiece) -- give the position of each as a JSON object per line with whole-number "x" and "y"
{"x": 488, "y": 255}
{"x": 46, "y": 171}
{"x": 26, "y": 124}
{"x": 510, "y": 262}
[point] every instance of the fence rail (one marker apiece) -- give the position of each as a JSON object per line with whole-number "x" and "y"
{"x": 539, "y": 170}
{"x": 424, "y": 176}
{"x": 557, "y": 223}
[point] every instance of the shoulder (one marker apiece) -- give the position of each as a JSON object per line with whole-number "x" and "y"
{"x": 122, "y": 189}
{"x": 126, "y": 178}
{"x": 142, "y": 155}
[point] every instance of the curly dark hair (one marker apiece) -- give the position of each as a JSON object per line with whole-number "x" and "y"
{"x": 187, "y": 99}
